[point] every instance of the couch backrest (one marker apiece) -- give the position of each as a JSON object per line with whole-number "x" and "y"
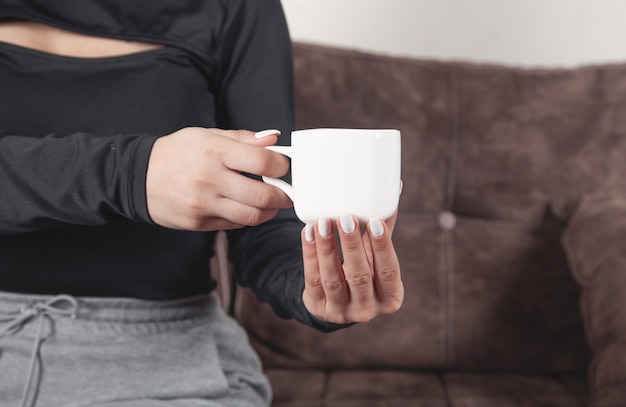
{"x": 493, "y": 157}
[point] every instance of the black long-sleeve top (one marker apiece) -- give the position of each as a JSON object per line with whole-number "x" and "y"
{"x": 76, "y": 134}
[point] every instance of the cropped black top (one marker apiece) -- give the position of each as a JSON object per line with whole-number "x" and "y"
{"x": 76, "y": 134}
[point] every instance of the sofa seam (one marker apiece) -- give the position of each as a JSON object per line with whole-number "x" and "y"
{"x": 444, "y": 388}
{"x": 453, "y": 133}
{"x": 448, "y": 241}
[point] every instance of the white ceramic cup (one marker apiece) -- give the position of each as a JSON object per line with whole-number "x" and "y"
{"x": 342, "y": 171}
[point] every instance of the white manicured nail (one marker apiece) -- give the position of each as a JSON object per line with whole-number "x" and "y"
{"x": 308, "y": 233}
{"x": 323, "y": 225}
{"x": 376, "y": 227}
{"x": 266, "y": 133}
{"x": 347, "y": 223}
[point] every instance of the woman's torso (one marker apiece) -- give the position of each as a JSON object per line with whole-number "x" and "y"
{"x": 156, "y": 84}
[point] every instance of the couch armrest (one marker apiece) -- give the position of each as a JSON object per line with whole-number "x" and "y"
{"x": 595, "y": 243}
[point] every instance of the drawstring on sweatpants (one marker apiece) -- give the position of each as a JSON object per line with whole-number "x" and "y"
{"x": 61, "y": 305}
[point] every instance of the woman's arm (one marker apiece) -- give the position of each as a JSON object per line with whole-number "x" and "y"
{"x": 51, "y": 181}
{"x": 256, "y": 77}
{"x": 257, "y": 93}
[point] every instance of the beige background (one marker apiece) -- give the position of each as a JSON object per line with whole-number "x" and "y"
{"x": 514, "y": 32}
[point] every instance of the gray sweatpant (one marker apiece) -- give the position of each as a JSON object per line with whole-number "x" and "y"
{"x": 69, "y": 352}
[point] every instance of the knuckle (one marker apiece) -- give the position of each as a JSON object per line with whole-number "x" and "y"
{"x": 193, "y": 223}
{"x": 310, "y": 255}
{"x": 259, "y": 216}
{"x": 360, "y": 280}
{"x": 334, "y": 317}
{"x": 382, "y": 246}
{"x": 236, "y": 135}
{"x": 195, "y": 216}
{"x": 326, "y": 247}
{"x": 242, "y": 135}
{"x": 325, "y": 251}
{"x": 262, "y": 163}
{"x": 212, "y": 150}
{"x": 363, "y": 316}
{"x": 265, "y": 197}
{"x": 252, "y": 217}
{"x": 194, "y": 209}
{"x": 351, "y": 244}
{"x": 332, "y": 285}
{"x": 313, "y": 281}
{"x": 341, "y": 319}
{"x": 209, "y": 151}
{"x": 388, "y": 274}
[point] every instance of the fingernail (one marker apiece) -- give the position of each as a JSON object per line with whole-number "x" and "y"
{"x": 347, "y": 223}
{"x": 308, "y": 233}
{"x": 376, "y": 227}
{"x": 266, "y": 133}
{"x": 323, "y": 225}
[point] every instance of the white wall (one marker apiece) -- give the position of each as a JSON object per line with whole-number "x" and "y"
{"x": 514, "y": 32}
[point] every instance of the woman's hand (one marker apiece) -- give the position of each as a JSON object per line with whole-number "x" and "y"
{"x": 367, "y": 284}
{"x": 195, "y": 180}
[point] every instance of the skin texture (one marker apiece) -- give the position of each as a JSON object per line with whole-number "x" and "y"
{"x": 56, "y": 41}
{"x": 195, "y": 182}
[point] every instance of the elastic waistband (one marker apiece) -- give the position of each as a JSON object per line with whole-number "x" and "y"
{"x": 120, "y": 310}
{"x": 43, "y": 318}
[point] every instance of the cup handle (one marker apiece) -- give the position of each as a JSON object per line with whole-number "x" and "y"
{"x": 279, "y": 183}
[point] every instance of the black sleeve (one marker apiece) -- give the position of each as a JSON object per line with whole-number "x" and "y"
{"x": 78, "y": 179}
{"x": 256, "y": 94}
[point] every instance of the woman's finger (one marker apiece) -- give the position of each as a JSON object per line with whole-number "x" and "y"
{"x": 387, "y": 278}
{"x": 252, "y": 193}
{"x": 331, "y": 270}
{"x": 356, "y": 267}
{"x": 261, "y": 138}
{"x": 241, "y": 214}
{"x": 314, "y": 296}
{"x": 391, "y": 222}
{"x": 253, "y": 159}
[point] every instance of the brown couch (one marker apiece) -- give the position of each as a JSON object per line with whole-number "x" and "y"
{"x": 512, "y": 221}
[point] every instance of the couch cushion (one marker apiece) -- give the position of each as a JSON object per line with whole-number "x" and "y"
{"x": 297, "y": 388}
{"x": 486, "y": 295}
{"x": 487, "y": 152}
{"x": 486, "y": 390}
{"x": 528, "y": 139}
{"x": 513, "y": 305}
{"x": 595, "y": 241}
{"x": 389, "y": 388}
{"x": 384, "y": 388}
